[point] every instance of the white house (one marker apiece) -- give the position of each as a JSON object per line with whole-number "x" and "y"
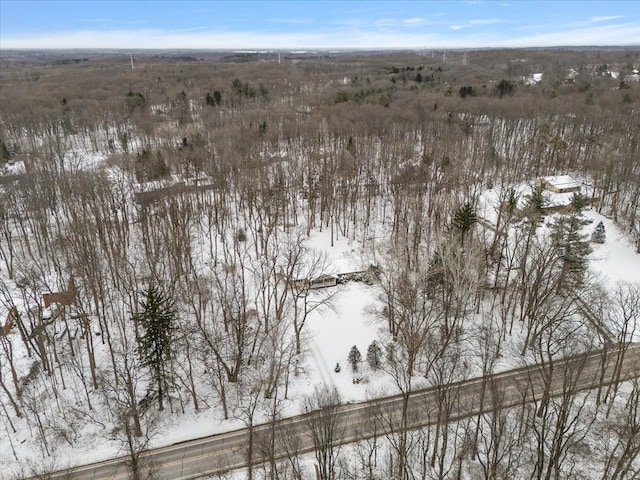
{"x": 559, "y": 184}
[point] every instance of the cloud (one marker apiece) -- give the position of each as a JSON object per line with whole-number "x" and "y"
{"x": 485, "y": 21}
{"x": 381, "y": 22}
{"x": 159, "y": 39}
{"x": 593, "y": 22}
{"x": 390, "y": 37}
{"x": 613, "y": 34}
{"x": 606, "y": 19}
{"x": 480, "y": 21}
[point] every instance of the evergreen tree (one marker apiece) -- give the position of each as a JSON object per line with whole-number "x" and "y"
{"x": 5, "y": 155}
{"x": 463, "y": 220}
{"x": 156, "y": 320}
{"x": 505, "y": 87}
{"x": 512, "y": 202}
{"x": 338, "y": 368}
{"x": 354, "y": 358}
{"x": 578, "y": 202}
{"x": 467, "y": 91}
{"x": 536, "y": 203}
{"x": 374, "y": 355}
{"x": 135, "y": 100}
{"x": 598, "y": 235}
{"x": 573, "y": 249}
{"x": 213, "y": 100}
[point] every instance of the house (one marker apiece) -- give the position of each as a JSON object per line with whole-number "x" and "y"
{"x": 318, "y": 282}
{"x": 62, "y": 298}
{"x": 559, "y": 184}
{"x": 323, "y": 281}
{"x": 8, "y": 322}
{"x": 533, "y": 79}
{"x": 558, "y": 192}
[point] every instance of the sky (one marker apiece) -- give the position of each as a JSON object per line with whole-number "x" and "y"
{"x": 333, "y": 25}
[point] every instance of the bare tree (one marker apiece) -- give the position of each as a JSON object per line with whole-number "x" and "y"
{"x": 562, "y": 421}
{"x": 326, "y": 428}
{"x": 499, "y": 443}
{"x": 621, "y": 458}
{"x": 135, "y": 446}
{"x": 623, "y": 314}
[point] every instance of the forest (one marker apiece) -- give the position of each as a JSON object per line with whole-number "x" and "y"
{"x": 156, "y": 210}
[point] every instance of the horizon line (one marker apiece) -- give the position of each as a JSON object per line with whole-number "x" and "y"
{"x": 322, "y": 49}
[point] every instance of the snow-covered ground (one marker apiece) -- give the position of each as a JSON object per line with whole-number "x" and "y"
{"x": 329, "y": 335}
{"x": 333, "y": 333}
{"x": 614, "y": 260}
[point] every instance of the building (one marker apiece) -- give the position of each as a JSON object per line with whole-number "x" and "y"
{"x": 559, "y": 184}
{"x": 8, "y": 322}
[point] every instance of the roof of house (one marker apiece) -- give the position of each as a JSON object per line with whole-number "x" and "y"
{"x": 562, "y": 181}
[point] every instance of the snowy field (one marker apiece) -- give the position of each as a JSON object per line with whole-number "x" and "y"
{"x": 616, "y": 259}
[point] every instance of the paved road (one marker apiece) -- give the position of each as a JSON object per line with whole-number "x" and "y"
{"x": 227, "y": 451}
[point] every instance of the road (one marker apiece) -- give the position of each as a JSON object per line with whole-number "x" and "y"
{"x": 227, "y": 451}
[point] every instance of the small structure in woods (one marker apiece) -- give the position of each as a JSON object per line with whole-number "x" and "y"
{"x": 10, "y": 319}
{"x": 67, "y": 297}
{"x": 558, "y": 192}
{"x": 367, "y": 276}
{"x": 323, "y": 281}
{"x": 314, "y": 283}
{"x": 559, "y": 184}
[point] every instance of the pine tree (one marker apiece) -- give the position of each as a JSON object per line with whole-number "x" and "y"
{"x": 573, "y": 249}
{"x": 5, "y": 154}
{"x": 578, "y": 202}
{"x": 354, "y": 358}
{"x": 156, "y": 320}
{"x": 463, "y": 220}
{"x": 512, "y": 202}
{"x": 536, "y": 203}
{"x": 505, "y": 87}
{"x": 374, "y": 355}
{"x": 599, "y": 235}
